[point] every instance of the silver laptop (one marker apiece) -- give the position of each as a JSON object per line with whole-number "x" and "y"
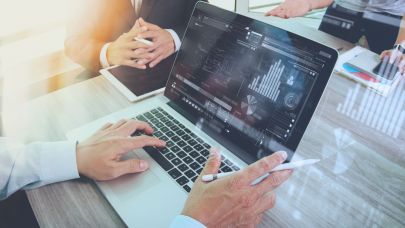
{"x": 239, "y": 84}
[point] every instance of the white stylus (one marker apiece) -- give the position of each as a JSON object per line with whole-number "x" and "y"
{"x": 147, "y": 42}
{"x": 291, "y": 165}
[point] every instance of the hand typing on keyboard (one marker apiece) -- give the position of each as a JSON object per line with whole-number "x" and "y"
{"x": 99, "y": 157}
{"x": 232, "y": 201}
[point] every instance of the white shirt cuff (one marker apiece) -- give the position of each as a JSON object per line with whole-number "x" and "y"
{"x": 103, "y": 56}
{"x": 58, "y": 161}
{"x": 182, "y": 221}
{"x": 176, "y": 39}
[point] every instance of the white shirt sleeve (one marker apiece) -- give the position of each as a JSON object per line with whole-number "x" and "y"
{"x": 34, "y": 165}
{"x": 176, "y": 39}
{"x": 182, "y": 221}
{"x": 103, "y": 56}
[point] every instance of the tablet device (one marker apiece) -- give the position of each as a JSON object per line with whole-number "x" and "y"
{"x": 366, "y": 61}
{"x": 136, "y": 84}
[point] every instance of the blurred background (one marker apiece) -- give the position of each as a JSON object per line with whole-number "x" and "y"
{"x": 32, "y": 59}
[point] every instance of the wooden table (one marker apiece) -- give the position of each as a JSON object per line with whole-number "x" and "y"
{"x": 359, "y": 183}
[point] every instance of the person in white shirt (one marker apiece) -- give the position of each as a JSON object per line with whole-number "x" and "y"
{"x": 227, "y": 202}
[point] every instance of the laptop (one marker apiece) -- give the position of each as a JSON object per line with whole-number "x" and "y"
{"x": 238, "y": 84}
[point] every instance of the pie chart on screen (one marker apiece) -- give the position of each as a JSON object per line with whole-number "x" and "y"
{"x": 249, "y": 105}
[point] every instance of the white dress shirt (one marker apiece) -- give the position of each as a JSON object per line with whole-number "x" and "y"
{"x": 137, "y": 7}
{"x": 37, "y": 164}
{"x": 34, "y": 165}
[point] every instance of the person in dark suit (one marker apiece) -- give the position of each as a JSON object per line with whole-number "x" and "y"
{"x": 102, "y": 33}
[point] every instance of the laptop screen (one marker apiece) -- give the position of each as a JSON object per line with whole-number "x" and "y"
{"x": 251, "y": 86}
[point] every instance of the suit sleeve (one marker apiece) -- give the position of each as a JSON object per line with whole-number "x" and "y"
{"x": 84, "y": 39}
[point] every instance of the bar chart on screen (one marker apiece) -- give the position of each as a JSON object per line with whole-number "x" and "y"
{"x": 268, "y": 85}
{"x": 385, "y": 114}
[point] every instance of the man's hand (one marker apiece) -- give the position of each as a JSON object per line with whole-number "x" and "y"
{"x": 232, "y": 201}
{"x": 291, "y": 8}
{"x": 99, "y": 157}
{"x": 395, "y": 57}
{"x": 163, "y": 44}
{"x": 123, "y": 51}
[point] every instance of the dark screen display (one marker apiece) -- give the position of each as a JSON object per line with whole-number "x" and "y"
{"x": 252, "y": 86}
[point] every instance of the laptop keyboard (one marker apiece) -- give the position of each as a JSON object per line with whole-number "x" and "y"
{"x": 185, "y": 153}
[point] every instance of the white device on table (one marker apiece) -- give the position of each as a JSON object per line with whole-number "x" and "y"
{"x": 132, "y": 96}
{"x": 366, "y": 61}
{"x": 235, "y": 69}
{"x": 285, "y": 166}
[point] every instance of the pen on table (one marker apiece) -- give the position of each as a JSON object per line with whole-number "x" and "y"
{"x": 291, "y": 165}
{"x": 144, "y": 41}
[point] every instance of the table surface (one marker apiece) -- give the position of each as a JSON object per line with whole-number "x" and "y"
{"x": 358, "y": 135}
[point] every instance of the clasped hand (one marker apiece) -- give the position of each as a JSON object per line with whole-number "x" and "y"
{"x": 127, "y": 51}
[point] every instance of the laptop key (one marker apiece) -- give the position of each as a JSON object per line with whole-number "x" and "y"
{"x": 201, "y": 160}
{"x": 187, "y": 188}
{"x": 169, "y": 144}
{"x": 169, "y": 124}
{"x": 158, "y": 134}
{"x": 169, "y": 133}
{"x": 174, "y": 173}
{"x": 188, "y": 149}
{"x": 180, "y": 132}
{"x": 192, "y": 142}
{"x": 198, "y": 147}
{"x": 234, "y": 167}
{"x": 175, "y": 149}
{"x": 206, "y": 145}
{"x": 163, "y": 150}
{"x": 226, "y": 161}
{"x": 174, "y": 128}
{"x": 226, "y": 169}
{"x": 182, "y": 144}
{"x": 181, "y": 154}
{"x": 176, "y": 161}
{"x": 165, "y": 129}
{"x": 194, "y": 178}
{"x": 194, "y": 154}
{"x": 187, "y": 160}
{"x": 190, "y": 173}
{"x": 198, "y": 171}
{"x": 182, "y": 180}
{"x": 183, "y": 167}
{"x": 158, "y": 157}
{"x": 195, "y": 166}
{"x": 186, "y": 137}
{"x": 159, "y": 125}
{"x": 154, "y": 111}
{"x": 148, "y": 115}
{"x": 170, "y": 156}
{"x": 176, "y": 138}
{"x": 205, "y": 153}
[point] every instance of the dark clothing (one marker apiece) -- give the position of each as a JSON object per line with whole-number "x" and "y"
{"x": 380, "y": 29}
{"x": 101, "y": 21}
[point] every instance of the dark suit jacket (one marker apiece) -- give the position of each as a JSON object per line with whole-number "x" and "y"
{"x": 102, "y": 21}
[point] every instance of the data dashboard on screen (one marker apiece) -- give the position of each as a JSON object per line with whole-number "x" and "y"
{"x": 247, "y": 81}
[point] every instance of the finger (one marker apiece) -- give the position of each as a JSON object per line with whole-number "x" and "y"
{"x": 148, "y": 25}
{"x": 149, "y": 34}
{"x": 118, "y": 124}
{"x": 384, "y": 53}
{"x": 133, "y": 125}
{"x": 143, "y": 54}
{"x": 273, "y": 181}
{"x": 132, "y": 143}
{"x": 156, "y": 61}
{"x": 401, "y": 66}
{"x": 263, "y": 166}
{"x": 106, "y": 126}
{"x": 136, "y": 45}
{"x": 267, "y": 202}
{"x": 213, "y": 162}
{"x": 134, "y": 64}
{"x": 130, "y": 166}
{"x": 271, "y": 12}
